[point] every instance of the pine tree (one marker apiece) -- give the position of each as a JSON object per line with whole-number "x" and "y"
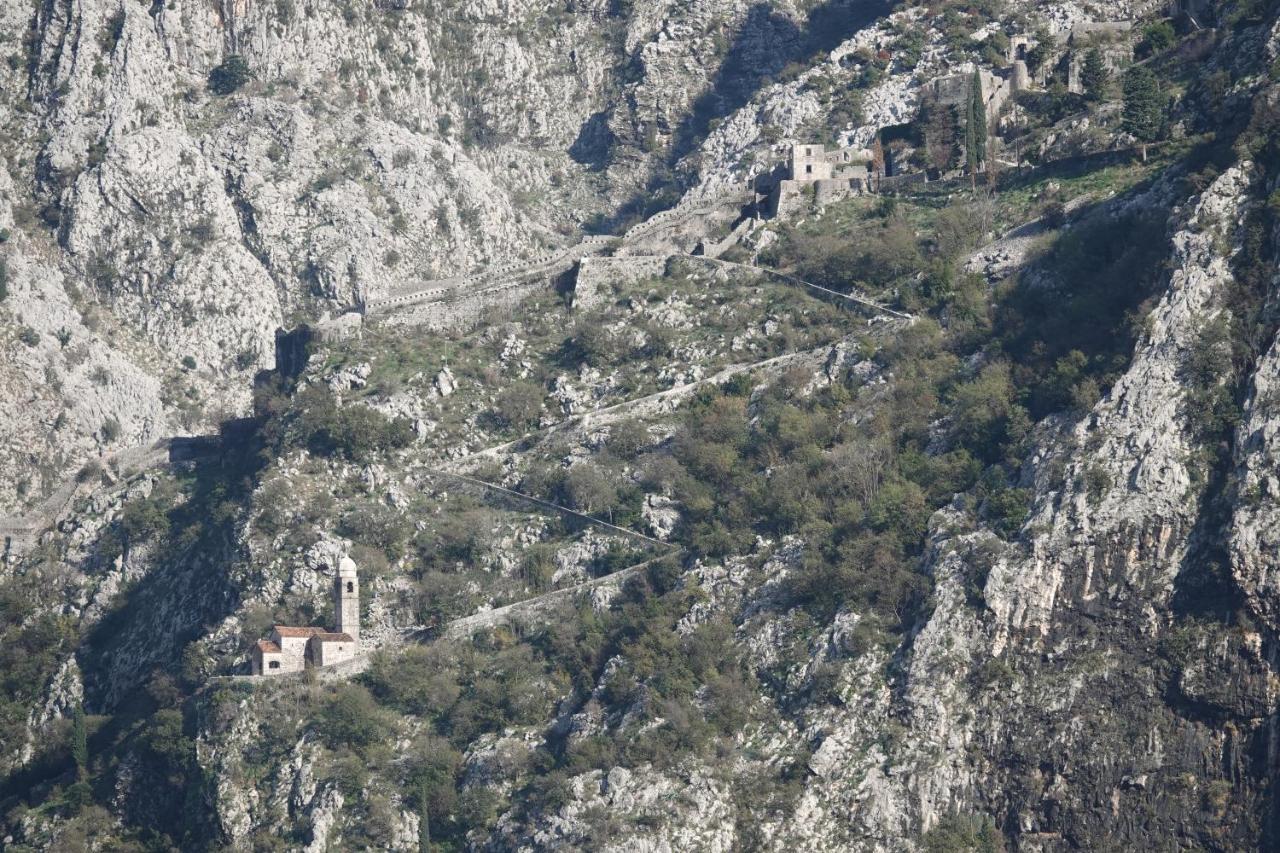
{"x": 1143, "y": 114}
{"x": 1093, "y": 76}
{"x": 80, "y": 742}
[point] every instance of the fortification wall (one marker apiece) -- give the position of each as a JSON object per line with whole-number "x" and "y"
{"x": 465, "y": 309}
{"x": 789, "y": 197}
{"x": 733, "y": 238}
{"x": 826, "y": 192}
{"x": 891, "y": 183}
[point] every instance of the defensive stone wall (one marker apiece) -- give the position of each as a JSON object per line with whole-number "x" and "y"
{"x": 892, "y": 183}
{"x": 443, "y": 288}
{"x": 717, "y": 248}
{"x": 465, "y": 308}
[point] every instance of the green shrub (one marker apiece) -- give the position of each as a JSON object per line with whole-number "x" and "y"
{"x": 313, "y": 419}
{"x": 964, "y": 834}
{"x": 1158, "y": 37}
{"x": 588, "y": 489}
{"x": 1006, "y": 510}
{"x": 627, "y": 439}
{"x": 230, "y": 76}
{"x": 144, "y": 519}
{"x": 378, "y": 526}
{"x": 518, "y": 406}
{"x": 352, "y": 719}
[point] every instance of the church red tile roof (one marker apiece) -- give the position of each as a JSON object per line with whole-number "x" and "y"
{"x": 286, "y": 631}
{"x": 268, "y": 646}
{"x": 328, "y": 637}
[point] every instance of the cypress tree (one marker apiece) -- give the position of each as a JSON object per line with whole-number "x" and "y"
{"x": 979, "y": 117}
{"x": 970, "y": 157}
{"x": 975, "y": 127}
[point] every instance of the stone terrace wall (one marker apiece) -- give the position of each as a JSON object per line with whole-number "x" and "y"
{"x": 596, "y": 275}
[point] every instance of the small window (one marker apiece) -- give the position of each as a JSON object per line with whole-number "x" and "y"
{"x": 808, "y": 170}
{"x": 275, "y": 664}
{"x": 351, "y": 587}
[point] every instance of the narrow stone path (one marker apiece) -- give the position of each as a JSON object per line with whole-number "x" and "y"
{"x": 851, "y": 298}
{"x": 545, "y": 504}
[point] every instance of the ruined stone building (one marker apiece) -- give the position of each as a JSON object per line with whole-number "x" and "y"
{"x": 292, "y": 649}
{"x": 812, "y": 162}
{"x": 954, "y": 89}
{"x": 833, "y": 174}
{"x": 1113, "y": 39}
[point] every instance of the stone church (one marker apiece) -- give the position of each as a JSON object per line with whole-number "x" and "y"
{"x": 291, "y": 649}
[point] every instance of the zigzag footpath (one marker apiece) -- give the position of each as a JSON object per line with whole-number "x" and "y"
{"x": 21, "y": 532}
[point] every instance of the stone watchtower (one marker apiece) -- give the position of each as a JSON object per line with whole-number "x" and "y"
{"x": 346, "y": 599}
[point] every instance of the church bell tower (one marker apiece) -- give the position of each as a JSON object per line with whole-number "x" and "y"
{"x": 346, "y": 599}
